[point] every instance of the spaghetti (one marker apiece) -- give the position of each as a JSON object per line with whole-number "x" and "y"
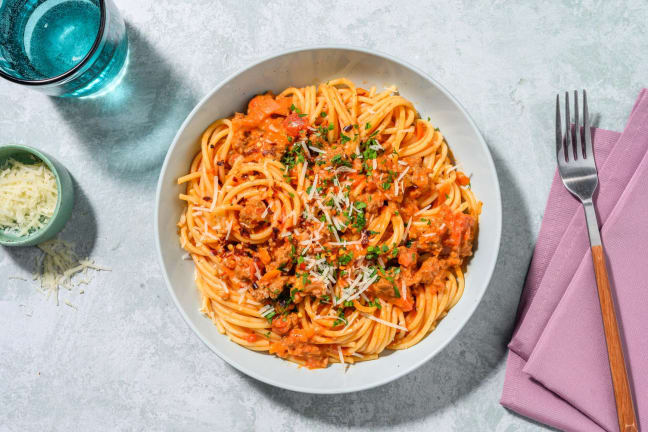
{"x": 327, "y": 224}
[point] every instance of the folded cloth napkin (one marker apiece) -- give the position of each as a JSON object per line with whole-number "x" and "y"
{"x": 614, "y": 174}
{"x": 571, "y": 358}
{"x": 552, "y": 268}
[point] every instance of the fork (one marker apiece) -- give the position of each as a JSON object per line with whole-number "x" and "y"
{"x": 578, "y": 172}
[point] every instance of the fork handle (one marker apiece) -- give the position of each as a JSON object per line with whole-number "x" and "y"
{"x": 622, "y": 393}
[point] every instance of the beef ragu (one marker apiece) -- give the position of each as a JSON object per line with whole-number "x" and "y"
{"x": 327, "y": 224}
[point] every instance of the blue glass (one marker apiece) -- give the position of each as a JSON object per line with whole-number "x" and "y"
{"x": 68, "y": 48}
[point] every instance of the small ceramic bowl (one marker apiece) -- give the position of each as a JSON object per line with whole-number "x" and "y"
{"x": 64, "y": 202}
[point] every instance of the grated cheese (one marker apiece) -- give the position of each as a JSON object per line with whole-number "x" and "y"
{"x": 400, "y": 177}
{"x": 229, "y": 229}
{"x": 266, "y": 310}
{"x": 257, "y": 273}
{"x": 58, "y": 266}
{"x": 315, "y": 149}
{"x": 215, "y": 197}
{"x": 404, "y": 287}
{"x": 28, "y": 196}
{"x": 409, "y": 224}
{"x": 313, "y": 187}
{"x": 382, "y": 321}
{"x": 303, "y": 145}
{"x": 422, "y": 210}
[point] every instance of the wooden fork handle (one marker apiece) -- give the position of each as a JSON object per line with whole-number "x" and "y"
{"x": 622, "y": 393}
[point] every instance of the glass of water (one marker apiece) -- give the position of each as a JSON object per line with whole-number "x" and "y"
{"x": 67, "y": 48}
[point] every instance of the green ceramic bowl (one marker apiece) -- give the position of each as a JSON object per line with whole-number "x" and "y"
{"x": 64, "y": 203}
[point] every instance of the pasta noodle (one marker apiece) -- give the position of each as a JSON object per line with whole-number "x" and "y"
{"x": 327, "y": 224}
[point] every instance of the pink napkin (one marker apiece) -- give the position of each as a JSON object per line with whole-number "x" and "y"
{"x": 561, "y": 246}
{"x": 571, "y": 358}
{"x": 614, "y": 174}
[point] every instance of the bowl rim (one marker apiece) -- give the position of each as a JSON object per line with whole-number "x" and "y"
{"x": 412, "y": 366}
{"x": 33, "y": 237}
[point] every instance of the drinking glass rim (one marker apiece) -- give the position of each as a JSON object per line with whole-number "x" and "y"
{"x": 70, "y": 72}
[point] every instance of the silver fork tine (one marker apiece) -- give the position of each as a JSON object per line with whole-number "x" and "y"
{"x": 586, "y": 126}
{"x": 569, "y": 150}
{"x": 578, "y": 142}
{"x": 560, "y": 149}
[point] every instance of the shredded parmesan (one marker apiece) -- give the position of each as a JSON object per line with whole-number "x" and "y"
{"x": 404, "y": 287}
{"x": 215, "y": 197}
{"x": 303, "y": 145}
{"x": 382, "y": 321}
{"x": 315, "y": 149}
{"x": 58, "y": 266}
{"x": 229, "y": 229}
{"x": 313, "y": 189}
{"x": 340, "y": 354}
{"x": 257, "y": 273}
{"x": 400, "y": 177}
{"x": 28, "y": 196}
{"x": 409, "y": 224}
{"x": 266, "y": 310}
{"x": 422, "y": 210}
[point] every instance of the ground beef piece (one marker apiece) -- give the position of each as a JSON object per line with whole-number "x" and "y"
{"x": 428, "y": 271}
{"x": 315, "y": 288}
{"x": 407, "y": 256}
{"x": 383, "y": 289}
{"x": 297, "y": 345}
{"x": 270, "y": 288}
{"x": 466, "y": 226}
{"x": 460, "y": 236}
{"x": 241, "y": 264}
{"x": 252, "y": 214}
{"x": 374, "y": 201}
{"x": 280, "y": 254}
{"x": 283, "y": 324}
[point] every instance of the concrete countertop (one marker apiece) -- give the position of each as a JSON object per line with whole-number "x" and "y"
{"x": 125, "y": 360}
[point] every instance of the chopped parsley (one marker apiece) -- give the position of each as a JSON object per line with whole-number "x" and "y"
{"x": 341, "y": 319}
{"x": 372, "y": 252}
{"x": 345, "y": 259}
{"x": 339, "y": 160}
{"x": 375, "y": 303}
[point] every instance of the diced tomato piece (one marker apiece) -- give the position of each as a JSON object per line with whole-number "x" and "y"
{"x": 420, "y": 130}
{"x": 294, "y": 123}
{"x": 406, "y": 256}
{"x": 262, "y": 106}
{"x": 406, "y": 305}
{"x": 462, "y": 179}
{"x": 252, "y": 337}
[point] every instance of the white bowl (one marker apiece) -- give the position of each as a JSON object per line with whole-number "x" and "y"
{"x": 300, "y": 68}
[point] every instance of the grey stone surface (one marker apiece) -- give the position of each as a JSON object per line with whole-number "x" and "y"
{"x": 125, "y": 360}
